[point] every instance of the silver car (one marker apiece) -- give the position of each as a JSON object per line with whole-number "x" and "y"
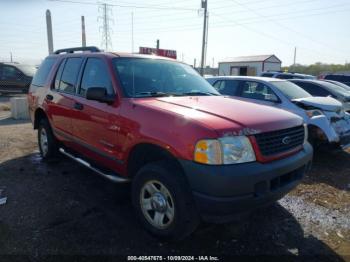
{"x": 323, "y": 88}
{"x": 325, "y": 116}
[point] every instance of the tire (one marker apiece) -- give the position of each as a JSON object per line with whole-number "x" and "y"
{"x": 177, "y": 211}
{"x": 47, "y": 143}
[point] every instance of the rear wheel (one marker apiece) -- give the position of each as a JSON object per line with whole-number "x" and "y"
{"x": 47, "y": 142}
{"x": 163, "y": 201}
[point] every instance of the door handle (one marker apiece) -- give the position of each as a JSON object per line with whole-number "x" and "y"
{"x": 49, "y": 97}
{"x": 78, "y": 106}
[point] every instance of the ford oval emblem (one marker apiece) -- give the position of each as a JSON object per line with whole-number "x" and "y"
{"x": 286, "y": 140}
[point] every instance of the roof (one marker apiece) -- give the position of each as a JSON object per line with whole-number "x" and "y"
{"x": 257, "y": 58}
{"x": 93, "y": 50}
{"x": 265, "y": 79}
{"x": 116, "y": 54}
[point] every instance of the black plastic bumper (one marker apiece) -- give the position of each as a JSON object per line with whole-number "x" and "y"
{"x": 226, "y": 190}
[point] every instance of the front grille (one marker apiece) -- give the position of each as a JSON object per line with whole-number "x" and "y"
{"x": 277, "y": 142}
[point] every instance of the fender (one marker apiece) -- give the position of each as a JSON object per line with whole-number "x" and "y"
{"x": 324, "y": 124}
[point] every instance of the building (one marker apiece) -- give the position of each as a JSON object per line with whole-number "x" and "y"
{"x": 249, "y": 65}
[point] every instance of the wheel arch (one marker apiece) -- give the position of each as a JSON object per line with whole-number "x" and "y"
{"x": 38, "y": 116}
{"x": 144, "y": 153}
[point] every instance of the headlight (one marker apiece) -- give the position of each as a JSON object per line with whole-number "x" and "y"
{"x": 312, "y": 113}
{"x": 226, "y": 150}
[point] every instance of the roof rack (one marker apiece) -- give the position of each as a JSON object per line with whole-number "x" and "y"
{"x": 75, "y": 49}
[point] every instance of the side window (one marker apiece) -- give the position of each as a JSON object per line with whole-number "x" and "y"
{"x": 95, "y": 75}
{"x": 10, "y": 72}
{"x": 58, "y": 75}
{"x": 259, "y": 91}
{"x": 231, "y": 87}
{"x": 70, "y": 75}
{"x": 227, "y": 87}
{"x": 42, "y": 73}
{"x": 217, "y": 85}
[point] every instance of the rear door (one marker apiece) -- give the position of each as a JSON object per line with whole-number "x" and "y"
{"x": 96, "y": 124}
{"x": 60, "y": 99}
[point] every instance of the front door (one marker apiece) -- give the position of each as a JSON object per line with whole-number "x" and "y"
{"x": 95, "y": 124}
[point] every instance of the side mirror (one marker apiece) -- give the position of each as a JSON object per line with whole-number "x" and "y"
{"x": 99, "y": 94}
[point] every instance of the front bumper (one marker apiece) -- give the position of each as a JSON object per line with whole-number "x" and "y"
{"x": 221, "y": 192}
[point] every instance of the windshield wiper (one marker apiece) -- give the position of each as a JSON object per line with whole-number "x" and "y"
{"x": 153, "y": 94}
{"x": 199, "y": 93}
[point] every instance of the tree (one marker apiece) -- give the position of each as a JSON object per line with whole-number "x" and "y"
{"x": 318, "y": 68}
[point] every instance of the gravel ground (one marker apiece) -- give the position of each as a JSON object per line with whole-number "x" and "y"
{"x": 63, "y": 211}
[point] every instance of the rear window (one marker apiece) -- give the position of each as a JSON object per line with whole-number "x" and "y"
{"x": 267, "y": 75}
{"x": 339, "y": 78}
{"x": 333, "y": 77}
{"x": 43, "y": 72}
{"x": 284, "y": 76}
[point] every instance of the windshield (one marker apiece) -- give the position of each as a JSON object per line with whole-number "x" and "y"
{"x": 27, "y": 69}
{"x": 290, "y": 90}
{"x": 334, "y": 88}
{"x": 143, "y": 77}
{"x": 344, "y": 86}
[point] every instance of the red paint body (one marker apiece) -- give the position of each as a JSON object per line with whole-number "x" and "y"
{"x": 173, "y": 123}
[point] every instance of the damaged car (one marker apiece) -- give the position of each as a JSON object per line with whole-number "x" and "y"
{"x": 328, "y": 123}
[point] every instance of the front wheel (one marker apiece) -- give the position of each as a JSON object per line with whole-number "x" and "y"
{"x": 163, "y": 201}
{"x": 46, "y": 141}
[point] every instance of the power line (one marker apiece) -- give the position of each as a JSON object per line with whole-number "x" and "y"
{"x": 170, "y": 8}
{"x": 281, "y": 25}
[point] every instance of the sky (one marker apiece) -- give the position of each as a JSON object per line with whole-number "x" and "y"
{"x": 319, "y": 29}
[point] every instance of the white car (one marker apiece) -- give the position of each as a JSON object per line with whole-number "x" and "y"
{"x": 325, "y": 116}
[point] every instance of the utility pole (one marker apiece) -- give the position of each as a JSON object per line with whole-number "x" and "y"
{"x": 83, "y": 34}
{"x": 132, "y": 32}
{"x": 11, "y": 57}
{"x": 204, "y": 5}
{"x": 105, "y": 27}
{"x": 295, "y": 56}
{"x": 49, "y": 31}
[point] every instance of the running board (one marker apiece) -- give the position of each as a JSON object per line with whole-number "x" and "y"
{"x": 113, "y": 178}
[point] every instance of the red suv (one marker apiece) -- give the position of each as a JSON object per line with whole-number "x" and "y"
{"x": 190, "y": 153}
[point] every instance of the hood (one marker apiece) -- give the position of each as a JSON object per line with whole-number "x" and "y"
{"x": 226, "y": 115}
{"x": 323, "y": 103}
